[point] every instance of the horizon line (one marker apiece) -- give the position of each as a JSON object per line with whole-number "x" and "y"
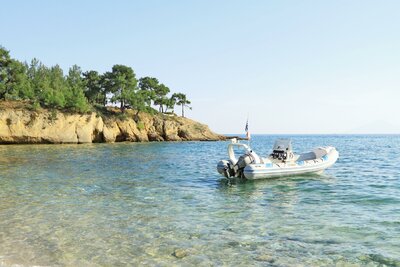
{"x": 243, "y": 134}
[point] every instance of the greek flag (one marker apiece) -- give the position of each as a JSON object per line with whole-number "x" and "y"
{"x": 247, "y": 130}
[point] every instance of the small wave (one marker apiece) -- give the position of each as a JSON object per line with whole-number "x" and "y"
{"x": 380, "y": 259}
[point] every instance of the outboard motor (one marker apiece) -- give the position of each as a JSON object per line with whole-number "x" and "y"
{"x": 234, "y": 167}
{"x": 245, "y": 160}
{"x": 223, "y": 167}
{"x": 227, "y": 169}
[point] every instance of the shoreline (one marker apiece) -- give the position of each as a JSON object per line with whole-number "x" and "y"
{"x": 24, "y": 126}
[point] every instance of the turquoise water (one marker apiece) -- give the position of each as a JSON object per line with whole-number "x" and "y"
{"x": 131, "y": 204}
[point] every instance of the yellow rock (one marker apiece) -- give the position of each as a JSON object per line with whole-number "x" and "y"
{"x": 45, "y": 126}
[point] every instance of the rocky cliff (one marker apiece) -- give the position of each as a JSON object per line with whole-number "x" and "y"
{"x": 20, "y": 125}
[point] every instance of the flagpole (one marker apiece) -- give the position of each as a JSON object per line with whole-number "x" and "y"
{"x": 247, "y": 130}
{"x": 248, "y": 133}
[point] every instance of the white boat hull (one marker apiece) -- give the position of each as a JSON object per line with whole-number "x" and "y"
{"x": 253, "y": 167}
{"x": 263, "y": 171}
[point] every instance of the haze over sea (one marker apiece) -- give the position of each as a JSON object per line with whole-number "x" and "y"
{"x": 136, "y": 203}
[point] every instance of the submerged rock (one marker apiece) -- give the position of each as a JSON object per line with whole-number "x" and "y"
{"x": 265, "y": 257}
{"x": 180, "y": 253}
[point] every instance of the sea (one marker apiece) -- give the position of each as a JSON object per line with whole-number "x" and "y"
{"x": 164, "y": 204}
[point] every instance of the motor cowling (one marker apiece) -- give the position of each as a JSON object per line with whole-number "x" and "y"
{"x": 222, "y": 166}
{"x": 244, "y": 160}
{"x": 227, "y": 169}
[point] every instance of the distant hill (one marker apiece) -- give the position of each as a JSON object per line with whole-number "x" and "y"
{"x": 376, "y": 127}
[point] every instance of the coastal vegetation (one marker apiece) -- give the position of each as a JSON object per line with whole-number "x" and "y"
{"x": 41, "y": 104}
{"x": 84, "y": 91}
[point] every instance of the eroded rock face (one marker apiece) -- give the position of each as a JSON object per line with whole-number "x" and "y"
{"x": 25, "y": 126}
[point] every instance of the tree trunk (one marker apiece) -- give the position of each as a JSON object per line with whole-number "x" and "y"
{"x": 183, "y": 111}
{"x": 137, "y": 116}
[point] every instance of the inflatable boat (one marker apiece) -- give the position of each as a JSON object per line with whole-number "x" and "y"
{"x": 281, "y": 162}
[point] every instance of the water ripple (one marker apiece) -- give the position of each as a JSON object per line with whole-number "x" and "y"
{"x": 135, "y": 204}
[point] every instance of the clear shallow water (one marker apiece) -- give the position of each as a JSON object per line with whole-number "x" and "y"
{"x": 135, "y": 204}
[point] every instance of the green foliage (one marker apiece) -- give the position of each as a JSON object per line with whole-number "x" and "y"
{"x": 14, "y": 82}
{"x": 150, "y": 110}
{"x": 161, "y": 98}
{"x": 5, "y": 62}
{"x": 36, "y": 72}
{"x": 94, "y": 88}
{"x": 76, "y": 99}
{"x": 53, "y": 115}
{"x": 35, "y": 106}
{"x": 180, "y": 99}
{"x": 122, "y": 83}
{"x": 137, "y": 100}
{"x": 140, "y": 125}
{"x": 148, "y": 86}
{"x": 55, "y": 95}
{"x": 122, "y": 116}
{"x": 81, "y": 91}
{"x": 170, "y": 103}
{"x": 19, "y": 84}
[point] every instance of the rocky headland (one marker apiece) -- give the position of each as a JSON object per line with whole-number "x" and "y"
{"x": 21, "y": 125}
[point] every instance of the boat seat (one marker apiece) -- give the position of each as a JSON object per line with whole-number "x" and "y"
{"x": 307, "y": 156}
{"x": 315, "y": 154}
{"x": 320, "y": 152}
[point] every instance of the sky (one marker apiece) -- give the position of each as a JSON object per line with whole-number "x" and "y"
{"x": 293, "y": 67}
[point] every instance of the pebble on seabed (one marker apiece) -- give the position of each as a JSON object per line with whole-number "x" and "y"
{"x": 180, "y": 253}
{"x": 265, "y": 257}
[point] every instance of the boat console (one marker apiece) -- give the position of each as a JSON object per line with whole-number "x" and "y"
{"x": 282, "y": 150}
